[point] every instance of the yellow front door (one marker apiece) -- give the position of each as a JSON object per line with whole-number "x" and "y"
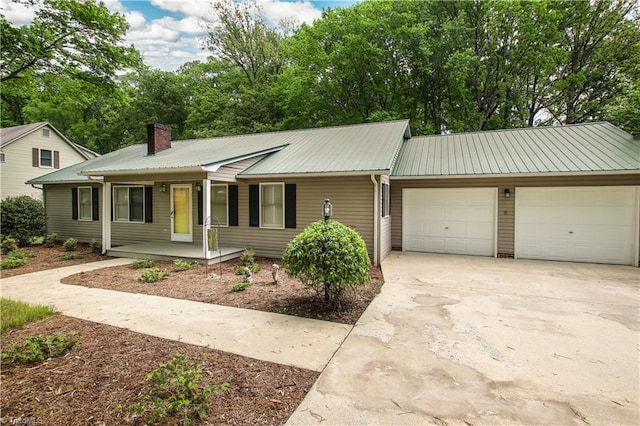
{"x": 181, "y": 225}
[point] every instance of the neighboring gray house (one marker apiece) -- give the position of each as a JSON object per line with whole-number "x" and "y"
{"x": 562, "y": 193}
{"x": 28, "y": 151}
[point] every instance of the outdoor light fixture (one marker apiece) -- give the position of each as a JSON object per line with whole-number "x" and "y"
{"x": 327, "y": 209}
{"x": 507, "y": 193}
{"x": 163, "y": 188}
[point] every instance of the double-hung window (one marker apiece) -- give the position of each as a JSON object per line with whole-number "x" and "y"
{"x": 220, "y": 205}
{"x": 272, "y": 205}
{"x": 85, "y": 203}
{"x": 128, "y": 203}
{"x": 46, "y": 158}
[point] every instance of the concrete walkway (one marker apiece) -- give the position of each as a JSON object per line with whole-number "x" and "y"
{"x": 283, "y": 339}
{"x": 461, "y": 340}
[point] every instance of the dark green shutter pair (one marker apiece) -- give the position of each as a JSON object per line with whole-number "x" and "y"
{"x": 289, "y": 205}
{"x": 233, "y": 205}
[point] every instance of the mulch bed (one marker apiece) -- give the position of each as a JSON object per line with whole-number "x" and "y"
{"x": 287, "y": 297}
{"x": 50, "y": 258}
{"x": 107, "y": 366}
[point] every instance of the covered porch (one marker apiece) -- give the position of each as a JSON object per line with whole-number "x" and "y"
{"x": 175, "y": 250}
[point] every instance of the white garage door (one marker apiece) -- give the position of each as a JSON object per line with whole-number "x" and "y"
{"x": 581, "y": 224}
{"x": 456, "y": 221}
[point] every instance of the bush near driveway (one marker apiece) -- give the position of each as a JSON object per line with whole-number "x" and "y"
{"x": 329, "y": 257}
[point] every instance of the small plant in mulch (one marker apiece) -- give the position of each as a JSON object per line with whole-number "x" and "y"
{"x": 183, "y": 265}
{"x": 50, "y": 240}
{"x": 143, "y": 263}
{"x": 152, "y": 275}
{"x": 16, "y": 259}
{"x": 239, "y": 287}
{"x": 176, "y": 393}
{"x": 70, "y": 244}
{"x": 39, "y": 348}
{"x": 247, "y": 259}
{"x": 11, "y": 263}
{"x": 71, "y": 255}
{"x": 95, "y": 246}
{"x": 9, "y": 245}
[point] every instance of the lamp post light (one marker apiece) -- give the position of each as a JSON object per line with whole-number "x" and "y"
{"x": 327, "y": 209}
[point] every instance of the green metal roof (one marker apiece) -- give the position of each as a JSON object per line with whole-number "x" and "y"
{"x": 346, "y": 149}
{"x": 592, "y": 147}
{"x": 343, "y": 149}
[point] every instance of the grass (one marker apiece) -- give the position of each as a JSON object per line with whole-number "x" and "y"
{"x": 14, "y": 314}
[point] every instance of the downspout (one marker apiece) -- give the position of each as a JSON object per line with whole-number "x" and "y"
{"x": 376, "y": 219}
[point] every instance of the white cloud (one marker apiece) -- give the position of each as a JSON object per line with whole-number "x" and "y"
{"x": 136, "y": 20}
{"x": 197, "y": 8}
{"x": 16, "y": 13}
{"x": 300, "y": 11}
{"x": 189, "y": 25}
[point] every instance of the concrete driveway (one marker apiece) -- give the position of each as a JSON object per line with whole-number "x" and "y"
{"x": 473, "y": 340}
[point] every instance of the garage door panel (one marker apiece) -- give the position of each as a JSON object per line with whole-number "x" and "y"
{"x": 584, "y": 224}
{"x": 460, "y": 221}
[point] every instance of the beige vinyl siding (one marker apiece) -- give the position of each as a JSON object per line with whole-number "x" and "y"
{"x": 352, "y": 205}
{"x": 58, "y": 209}
{"x": 227, "y": 173}
{"x": 123, "y": 233}
{"x": 18, "y": 166}
{"x": 385, "y": 223}
{"x": 506, "y": 207}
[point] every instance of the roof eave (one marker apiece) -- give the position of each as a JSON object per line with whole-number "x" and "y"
{"x": 167, "y": 170}
{"x": 529, "y": 174}
{"x": 313, "y": 174}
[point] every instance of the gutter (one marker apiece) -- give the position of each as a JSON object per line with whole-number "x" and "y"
{"x": 376, "y": 219}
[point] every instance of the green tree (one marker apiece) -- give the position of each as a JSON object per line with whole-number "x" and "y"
{"x": 599, "y": 39}
{"x": 251, "y": 48}
{"x": 81, "y": 40}
{"x": 22, "y": 218}
{"x": 329, "y": 257}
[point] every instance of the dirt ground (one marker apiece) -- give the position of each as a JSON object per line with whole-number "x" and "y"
{"x": 107, "y": 366}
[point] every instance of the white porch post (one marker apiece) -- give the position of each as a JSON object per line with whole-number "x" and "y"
{"x": 106, "y": 217}
{"x": 206, "y": 216}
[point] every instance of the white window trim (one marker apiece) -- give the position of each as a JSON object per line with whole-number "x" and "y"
{"x": 226, "y": 186}
{"x": 115, "y": 218}
{"x": 386, "y": 198}
{"x": 90, "y": 218}
{"x": 283, "y": 205}
{"x": 40, "y": 158}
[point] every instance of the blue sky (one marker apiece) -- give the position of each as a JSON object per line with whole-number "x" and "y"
{"x": 169, "y": 33}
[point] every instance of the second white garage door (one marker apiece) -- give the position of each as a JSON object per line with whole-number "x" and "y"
{"x": 581, "y": 224}
{"x": 455, "y": 221}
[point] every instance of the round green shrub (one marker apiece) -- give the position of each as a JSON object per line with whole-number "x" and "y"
{"x": 9, "y": 245}
{"x": 22, "y": 218}
{"x": 70, "y": 245}
{"x": 329, "y": 257}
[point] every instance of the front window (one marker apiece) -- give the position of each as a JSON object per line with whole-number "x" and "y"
{"x": 219, "y": 205}
{"x": 128, "y": 203}
{"x": 85, "y": 211}
{"x": 272, "y": 205}
{"x": 46, "y": 158}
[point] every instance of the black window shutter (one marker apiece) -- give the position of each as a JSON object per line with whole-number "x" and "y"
{"x": 232, "y": 197}
{"x": 290, "y": 205}
{"x": 254, "y": 205}
{"x": 74, "y": 203}
{"x": 200, "y": 205}
{"x": 148, "y": 204}
{"x": 94, "y": 204}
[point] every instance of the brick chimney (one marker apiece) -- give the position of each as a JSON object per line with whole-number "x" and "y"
{"x": 158, "y": 137}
